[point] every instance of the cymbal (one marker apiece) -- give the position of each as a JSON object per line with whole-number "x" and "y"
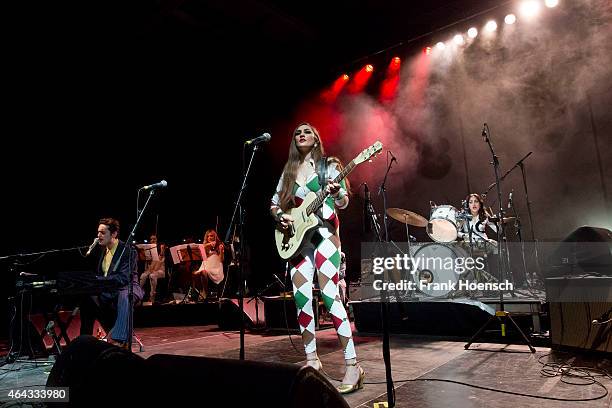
{"x": 505, "y": 220}
{"x": 407, "y": 217}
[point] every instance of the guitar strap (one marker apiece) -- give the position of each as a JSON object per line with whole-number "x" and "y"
{"x": 322, "y": 172}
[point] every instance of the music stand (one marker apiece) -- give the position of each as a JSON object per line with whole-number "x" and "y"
{"x": 190, "y": 253}
{"x": 147, "y": 252}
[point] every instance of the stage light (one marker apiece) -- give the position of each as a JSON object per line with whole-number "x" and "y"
{"x": 427, "y": 50}
{"x": 369, "y": 68}
{"x": 397, "y": 60}
{"x": 529, "y": 8}
{"x": 551, "y": 3}
{"x": 458, "y": 39}
{"x": 510, "y": 19}
{"x": 472, "y": 32}
{"x": 345, "y": 77}
{"x": 440, "y": 45}
{"x": 491, "y": 26}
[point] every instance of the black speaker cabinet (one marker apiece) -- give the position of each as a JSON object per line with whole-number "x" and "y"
{"x": 580, "y": 313}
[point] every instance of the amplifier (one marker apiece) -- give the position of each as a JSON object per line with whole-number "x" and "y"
{"x": 580, "y": 312}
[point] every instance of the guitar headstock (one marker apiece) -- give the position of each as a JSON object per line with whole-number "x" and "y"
{"x": 366, "y": 154}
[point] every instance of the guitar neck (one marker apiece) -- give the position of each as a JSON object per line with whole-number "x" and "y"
{"x": 322, "y": 195}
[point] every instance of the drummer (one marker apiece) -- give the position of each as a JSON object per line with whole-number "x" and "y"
{"x": 478, "y": 223}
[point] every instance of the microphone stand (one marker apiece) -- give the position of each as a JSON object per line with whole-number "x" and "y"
{"x": 384, "y": 302}
{"x": 43, "y": 253}
{"x": 502, "y": 314}
{"x": 239, "y": 208}
{"x": 521, "y": 164}
{"x": 130, "y": 272}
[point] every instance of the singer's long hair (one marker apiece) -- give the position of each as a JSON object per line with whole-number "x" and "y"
{"x": 481, "y": 211}
{"x": 293, "y": 162}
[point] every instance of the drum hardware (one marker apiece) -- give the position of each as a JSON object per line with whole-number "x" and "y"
{"x": 505, "y": 220}
{"x": 443, "y": 223}
{"x": 407, "y": 218}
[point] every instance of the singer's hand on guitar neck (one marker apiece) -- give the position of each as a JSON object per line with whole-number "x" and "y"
{"x": 332, "y": 188}
{"x": 285, "y": 220}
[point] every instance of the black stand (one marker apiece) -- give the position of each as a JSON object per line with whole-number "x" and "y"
{"x": 239, "y": 209}
{"x": 259, "y": 295}
{"x": 521, "y": 164}
{"x": 384, "y": 304}
{"x": 533, "y": 237}
{"x": 130, "y": 268}
{"x": 198, "y": 257}
{"x": 24, "y": 288}
{"x": 500, "y": 315}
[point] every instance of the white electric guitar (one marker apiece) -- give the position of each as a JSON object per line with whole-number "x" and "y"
{"x": 290, "y": 240}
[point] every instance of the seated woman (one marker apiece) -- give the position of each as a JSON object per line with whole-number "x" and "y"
{"x": 212, "y": 263}
{"x": 154, "y": 270}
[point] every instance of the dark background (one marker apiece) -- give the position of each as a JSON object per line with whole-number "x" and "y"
{"x": 104, "y": 97}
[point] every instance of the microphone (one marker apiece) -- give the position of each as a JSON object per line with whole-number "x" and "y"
{"x": 393, "y": 159}
{"x": 263, "y": 138}
{"x": 484, "y": 130}
{"x": 510, "y": 204}
{"x": 155, "y": 186}
{"x": 92, "y": 246}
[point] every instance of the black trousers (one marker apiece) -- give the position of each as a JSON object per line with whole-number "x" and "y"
{"x": 97, "y": 308}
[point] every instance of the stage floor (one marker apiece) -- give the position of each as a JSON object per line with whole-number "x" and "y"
{"x": 513, "y": 369}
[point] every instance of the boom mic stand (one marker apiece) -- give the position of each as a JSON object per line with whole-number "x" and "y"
{"x": 521, "y": 164}
{"x": 500, "y": 315}
{"x": 130, "y": 269}
{"x": 384, "y": 300}
{"x": 239, "y": 208}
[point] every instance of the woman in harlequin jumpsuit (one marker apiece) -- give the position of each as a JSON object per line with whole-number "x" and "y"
{"x": 321, "y": 252}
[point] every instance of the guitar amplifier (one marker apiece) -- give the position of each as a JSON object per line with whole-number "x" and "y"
{"x": 580, "y": 313}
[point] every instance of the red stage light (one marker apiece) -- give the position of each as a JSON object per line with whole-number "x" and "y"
{"x": 345, "y": 77}
{"x": 369, "y": 68}
{"x": 427, "y": 50}
{"x": 397, "y": 60}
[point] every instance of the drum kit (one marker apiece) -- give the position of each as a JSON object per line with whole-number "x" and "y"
{"x": 443, "y": 227}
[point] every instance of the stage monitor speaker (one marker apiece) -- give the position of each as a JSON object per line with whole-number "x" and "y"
{"x": 214, "y": 382}
{"x": 100, "y": 375}
{"x": 586, "y": 250}
{"x": 580, "y": 313}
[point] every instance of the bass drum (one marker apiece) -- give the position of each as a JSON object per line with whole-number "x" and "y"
{"x": 439, "y": 268}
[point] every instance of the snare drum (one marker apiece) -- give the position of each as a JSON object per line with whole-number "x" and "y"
{"x": 443, "y": 223}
